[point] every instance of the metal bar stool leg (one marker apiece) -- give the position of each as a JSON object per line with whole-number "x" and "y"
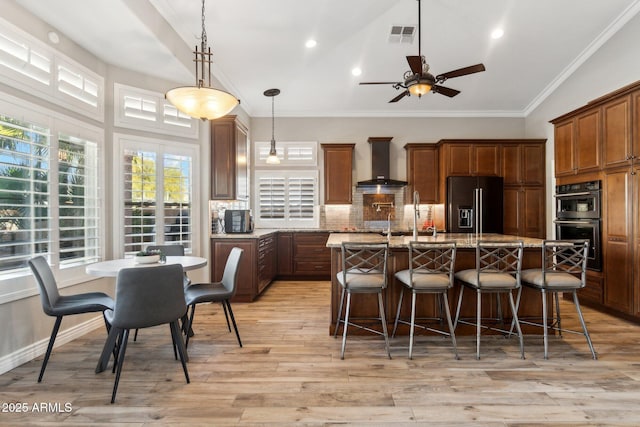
{"x": 395, "y": 324}
{"x": 478, "y": 320}
{"x": 584, "y": 326}
{"x": 345, "y": 325}
{"x": 383, "y": 319}
{"x": 335, "y": 332}
{"x": 452, "y": 333}
{"x": 413, "y": 323}
{"x": 545, "y": 330}
{"x": 517, "y": 322}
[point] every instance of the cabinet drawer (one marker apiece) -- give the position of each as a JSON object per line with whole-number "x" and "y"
{"x": 318, "y": 267}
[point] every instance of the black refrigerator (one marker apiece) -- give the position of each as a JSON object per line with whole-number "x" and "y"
{"x": 474, "y": 204}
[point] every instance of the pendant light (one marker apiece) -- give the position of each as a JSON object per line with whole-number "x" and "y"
{"x": 273, "y": 155}
{"x": 202, "y": 101}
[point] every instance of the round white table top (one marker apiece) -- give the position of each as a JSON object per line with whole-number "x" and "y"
{"x": 112, "y": 267}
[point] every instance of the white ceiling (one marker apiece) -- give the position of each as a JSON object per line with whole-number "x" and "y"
{"x": 260, "y": 44}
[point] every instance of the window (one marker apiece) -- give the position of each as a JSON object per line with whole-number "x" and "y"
{"x": 146, "y": 110}
{"x": 286, "y": 195}
{"x": 156, "y": 193}
{"x": 49, "y": 193}
{"x": 30, "y": 65}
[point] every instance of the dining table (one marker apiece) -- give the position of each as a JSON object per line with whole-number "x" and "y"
{"x": 111, "y": 268}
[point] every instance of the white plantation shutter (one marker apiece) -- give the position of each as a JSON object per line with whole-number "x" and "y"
{"x": 157, "y": 195}
{"x": 290, "y": 153}
{"x": 78, "y": 207}
{"x": 286, "y": 199}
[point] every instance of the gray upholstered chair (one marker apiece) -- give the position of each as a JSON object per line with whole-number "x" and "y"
{"x": 58, "y": 306}
{"x": 498, "y": 269}
{"x": 564, "y": 269}
{"x": 364, "y": 271}
{"x": 145, "y": 297}
{"x": 221, "y": 292}
{"x": 431, "y": 270}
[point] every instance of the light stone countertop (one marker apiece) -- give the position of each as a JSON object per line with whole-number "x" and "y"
{"x": 463, "y": 240}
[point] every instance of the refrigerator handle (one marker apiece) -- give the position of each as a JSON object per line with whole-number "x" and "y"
{"x": 480, "y": 211}
{"x": 475, "y": 208}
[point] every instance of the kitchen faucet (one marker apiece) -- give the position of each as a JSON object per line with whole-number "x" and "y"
{"x": 416, "y": 213}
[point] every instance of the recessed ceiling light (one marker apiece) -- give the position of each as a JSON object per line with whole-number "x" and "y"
{"x": 356, "y": 71}
{"x": 311, "y": 43}
{"x": 497, "y": 33}
{"x": 53, "y": 37}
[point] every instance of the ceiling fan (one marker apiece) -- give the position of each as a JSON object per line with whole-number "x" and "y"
{"x": 418, "y": 81}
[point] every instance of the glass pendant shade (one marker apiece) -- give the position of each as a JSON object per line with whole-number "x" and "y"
{"x": 273, "y": 155}
{"x": 204, "y": 103}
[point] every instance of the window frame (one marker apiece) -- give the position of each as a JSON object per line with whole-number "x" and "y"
{"x": 20, "y": 283}
{"x": 161, "y": 146}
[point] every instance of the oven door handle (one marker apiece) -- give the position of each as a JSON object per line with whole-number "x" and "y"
{"x": 559, "y": 221}
{"x": 560, "y": 196}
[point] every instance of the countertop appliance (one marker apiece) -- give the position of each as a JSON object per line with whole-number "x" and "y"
{"x": 474, "y": 204}
{"x": 238, "y": 221}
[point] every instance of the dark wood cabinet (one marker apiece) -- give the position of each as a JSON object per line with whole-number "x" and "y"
{"x": 229, "y": 177}
{"x": 422, "y": 172}
{"x": 523, "y": 213}
{"x": 285, "y": 253}
{"x": 258, "y": 265}
{"x": 338, "y": 175}
{"x": 606, "y": 148}
{"x": 523, "y": 164}
{"x": 311, "y": 257}
{"x": 577, "y": 143}
{"x": 616, "y": 139}
{"x": 470, "y": 157}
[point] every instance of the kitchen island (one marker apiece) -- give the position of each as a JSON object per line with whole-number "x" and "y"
{"x": 366, "y": 306}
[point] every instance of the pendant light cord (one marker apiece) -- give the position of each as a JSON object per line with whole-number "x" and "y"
{"x": 204, "y": 31}
{"x": 273, "y": 121}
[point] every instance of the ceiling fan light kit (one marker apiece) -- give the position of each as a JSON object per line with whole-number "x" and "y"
{"x": 202, "y": 101}
{"x": 418, "y": 81}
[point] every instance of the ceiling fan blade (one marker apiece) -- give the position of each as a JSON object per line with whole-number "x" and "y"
{"x": 461, "y": 72}
{"x": 415, "y": 63}
{"x": 379, "y": 83}
{"x": 446, "y": 91}
{"x": 399, "y": 97}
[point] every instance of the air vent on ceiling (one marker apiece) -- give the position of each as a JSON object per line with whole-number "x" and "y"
{"x": 402, "y": 34}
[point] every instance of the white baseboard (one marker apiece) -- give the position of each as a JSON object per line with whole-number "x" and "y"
{"x": 39, "y": 348}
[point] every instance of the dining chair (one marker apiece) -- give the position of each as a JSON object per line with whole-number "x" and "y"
{"x": 145, "y": 297}
{"x": 58, "y": 306}
{"x": 564, "y": 269}
{"x": 497, "y": 271}
{"x": 221, "y": 292}
{"x": 431, "y": 271}
{"x": 364, "y": 271}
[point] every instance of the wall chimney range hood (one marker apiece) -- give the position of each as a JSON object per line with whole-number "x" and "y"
{"x": 380, "y": 160}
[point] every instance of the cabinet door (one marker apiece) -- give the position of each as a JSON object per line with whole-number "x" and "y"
{"x": 242, "y": 172}
{"x": 422, "y": 172}
{"x": 533, "y": 164}
{"x": 524, "y": 213}
{"x": 511, "y": 203}
{"x": 587, "y": 143}
{"x": 458, "y": 160}
{"x": 223, "y": 159}
{"x": 616, "y": 139}
{"x": 563, "y": 148}
{"x": 635, "y": 142}
{"x": 485, "y": 159}
{"x": 338, "y": 164}
{"x": 285, "y": 254}
{"x": 617, "y": 246}
{"x": 635, "y": 212}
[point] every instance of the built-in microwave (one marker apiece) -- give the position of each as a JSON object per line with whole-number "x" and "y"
{"x": 238, "y": 221}
{"x": 578, "y": 201}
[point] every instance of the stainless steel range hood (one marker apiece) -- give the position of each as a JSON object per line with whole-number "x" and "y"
{"x": 380, "y": 160}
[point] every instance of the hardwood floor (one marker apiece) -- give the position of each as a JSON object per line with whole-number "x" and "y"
{"x": 290, "y": 373}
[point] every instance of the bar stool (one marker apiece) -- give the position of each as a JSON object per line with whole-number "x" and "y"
{"x": 498, "y": 269}
{"x": 564, "y": 269}
{"x": 364, "y": 271}
{"x": 431, "y": 269}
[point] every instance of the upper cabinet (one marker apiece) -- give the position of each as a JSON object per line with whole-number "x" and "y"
{"x": 524, "y": 163}
{"x": 616, "y": 138}
{"x": 578, "y": 143}
{"x": 422, "y": 172}
{"x": 338, "y": 175}
{"x": 229, "y": 173}
{"x": 470, "y": 157}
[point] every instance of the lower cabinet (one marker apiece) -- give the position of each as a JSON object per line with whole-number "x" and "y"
{"x": 524, "y": 213}
{"x": 304, "y": 255}
{"x": 257, "y": 265}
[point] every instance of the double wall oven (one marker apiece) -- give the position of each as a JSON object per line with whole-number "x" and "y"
{"x": 578, "y": 217}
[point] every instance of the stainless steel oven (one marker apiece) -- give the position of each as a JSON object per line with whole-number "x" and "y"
{"x": 578, "y": 216}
